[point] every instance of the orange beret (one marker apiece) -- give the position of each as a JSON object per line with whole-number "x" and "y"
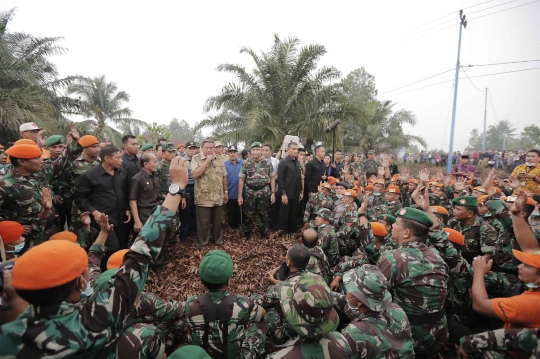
{"x": 481, "y": 199}
{"x": 498, "y": 190}
{"x": 181, "y": 146}
{"x": 65, "y": 235}
{"x": 455, "y": 236}
{"x": 326, "y": 185}
{"x": 331, "y": 180}
{"x": 470, "y": 182}
{"x": 379, "y": 181}
{"x": 532, "y": 259}
{"x": 439, "y": 210}
{"x": 49, "y": 265}
{"x": 529, "y": 202}
{"x": 87, "y": 141}
{"x": 24, "y": 141}
{"x": 350, "y": 193}
{"x": 479, "y": 189}
{"x": 117, "y": 258}
{"x": 369, "y": 187}
{"x": 10, "y": 231}
{"x": 395, "y": 177}
{"x": 413, "y": 180}
{"x": 24, "y": 151}
{"x": 393, "y": 189}
{"x": 378, "y": 229}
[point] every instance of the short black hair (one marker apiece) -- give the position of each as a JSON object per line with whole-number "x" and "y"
{"x": 267, "y": 145}
{"x": 301, "y": 150}
{"x": 299, "y": 256}
{"x": 14, "y": 161}
{"x": 328, "y": 156}
{"x": 48, "y": 296}
{"x": 146, "y": 157}
{"x": 535, "y": 151}
{"x": 292, "y": 144}
{"x": 244, "y": 153}
{"x": 214, "y": 287}
{"x": 160, "y": 146}
{"x": 162, "y": 139}
{"x": 338, "y": 151}
{"x": 108, "y": 151}
{"x": 419, "y": 231}
{"x": 126, "y": 138}
{"x": 317, "y": 147}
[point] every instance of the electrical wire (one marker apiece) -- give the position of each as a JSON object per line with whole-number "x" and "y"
{"x": 468, "y": 78}
{"x": 502, "y": 63}
{"x": 496, "y": 12}
{"x": 412, "y": 83}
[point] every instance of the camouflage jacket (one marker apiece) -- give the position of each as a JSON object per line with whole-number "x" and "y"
{"x": 164, "y": 178}
{"x": 316, "y": 202}
{"x": 480, "y": 237}
{"x": 257, "y": 175}
{"x": 242, "y": 328}
{"x": 374, "y": 206}
{"x": 331, "y": 346}
{"x": 371, "y": 166}
{"x": 381, "y": 335}
{"x": 328, "y": 243}
{"x": 347, "y": 231}
{"x": 502, "y": 340}
{"x": 20, "y": 196}
{"x": 387, "y": 208}
{"x": 61, "y": 184}
{"x": 357, "y": 170}
{"x": 503, "y": 258}
{"x": 93, "y": 326}
{"x": 318, "y": 264}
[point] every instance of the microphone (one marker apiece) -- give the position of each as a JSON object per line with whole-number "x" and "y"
{"x": 333, "y": 125}
{"x": 213, "y": 164}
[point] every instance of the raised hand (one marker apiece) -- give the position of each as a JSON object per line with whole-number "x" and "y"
{"x": 423, "y": 175}
{"x": 385, "y": 162}
{"x": 514, "y": 182}
{"x": 85, "y": 218}
{"x": 103, "y": 222}
{"x": 404, "y": 175}
{"x": 46, "y": 199}
{"x": 380, "y": 171}
{"x": 460, "y": 184}
{"x": 73, "y": 131}
{"x": 518, "y": 205}
{"x": 439, "y": 176}
{"x": 488, "y": 183}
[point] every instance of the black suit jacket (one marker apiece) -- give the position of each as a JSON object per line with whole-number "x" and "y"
{"x": 314, "y": 172}
{"x": 290, "y": 178}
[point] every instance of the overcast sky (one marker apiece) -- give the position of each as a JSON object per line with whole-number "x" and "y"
{"x": 164, "y": 53}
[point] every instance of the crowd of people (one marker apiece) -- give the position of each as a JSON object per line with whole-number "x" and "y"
{"x": 387, "y": 263}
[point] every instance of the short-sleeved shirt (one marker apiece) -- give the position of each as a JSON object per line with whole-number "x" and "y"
{"x": 209, "y": 186}
{"x": 519, "y": 311}
{"x": 528, "y": 184}
{"x": 233, "y": 169}
{"x": 145, "y": 189}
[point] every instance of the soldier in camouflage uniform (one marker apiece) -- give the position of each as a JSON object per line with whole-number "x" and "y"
{"x": 243, "y": 335}
{"x": 417, "y": 280}
{"x": 347, "y": 226}
{"x": 60, "y": 185}
{"x": 379, "y": 329}
{"x": 308, "y": 306}
{"x": 169, "y": 152}
{"x": 339, "y": 207}
{"x": 316, "y": 202}
{"x": 87, "y": 160}
{"x": 257, "y": 173}
{"x": 20, "y": 189}
{"x": 495, "y": 344}
{"x": 371, "y": 165}
{"x": 327, "y": 236}
{"x": 356, "y": 169}
{"x": 93, "y": 327}
{"x": 391, "y": 205}
{"x": 318, "y": 263}
{"x": 376, "y": 201}
{"x": 480, "y": 237}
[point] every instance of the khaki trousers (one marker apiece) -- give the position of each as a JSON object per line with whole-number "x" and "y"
{"x": 208, "y": 217}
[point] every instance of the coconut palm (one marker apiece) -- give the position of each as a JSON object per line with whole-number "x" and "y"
{"x": 286, "y": 93}
{"x": 103, "y": 105}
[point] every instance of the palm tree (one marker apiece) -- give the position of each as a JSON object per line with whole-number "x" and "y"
{"x": 103, "y": 104}
{"x": 377, "y": 127}
{"x": 29, "y": 83}
{"x": 286, "y": 93}
{"x": 500, "y": 133}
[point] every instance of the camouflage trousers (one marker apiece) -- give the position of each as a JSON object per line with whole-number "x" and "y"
{"x": 430, "y": 338}
{"x": 493, "y": 344}
{"x": 140, "y": 340}
{"x": 499, "y": 284}
{"x": 256, "y": 203}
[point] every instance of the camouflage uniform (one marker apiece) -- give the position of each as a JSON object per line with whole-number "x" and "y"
{"x": 94, "y": 329}
{"x": 385, "y": 332}
{"x": 308, "y": 307}
{"x": 375, "y": 204}
{"x": 257, "y": 176}
{"x": 387, "y": 208}
{"x": 347, "y": 231}
{"x": 245, "y": 337}
{"x": 316, "y": 202}
{"x": 328, "y": 243}
{"x": 418, "y": 282}
{"x": 494, "y": 344}
{"x": 480, "y": 237}
{"x": 370, "y": 166}
{"x": 62, "y": 186}
{"x": 318, "y": 263}
{"x": 20, "y": 196}
{"x": 357, "y": 167}
{"x": 164, "y": 178}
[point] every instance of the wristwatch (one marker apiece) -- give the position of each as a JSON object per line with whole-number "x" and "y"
{"x": 176, "y": 190}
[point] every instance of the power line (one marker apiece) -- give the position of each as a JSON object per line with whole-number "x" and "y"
{"x": 468, "y": 78}
{"x": 462, "y": 78}
{"x": 502, "y": 63}
{"x": 496, "y": 12}
{"x": 412, "y": 83}
{"x": 491, "y": 7}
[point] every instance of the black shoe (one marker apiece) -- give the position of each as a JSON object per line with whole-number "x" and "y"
{"x": 247, "y": 235}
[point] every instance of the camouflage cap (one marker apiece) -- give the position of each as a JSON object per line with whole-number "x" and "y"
{"x": 169, "y": 146}
{"x": 325, "y": 214}
{"x": 368, "y": 285}
{"x": 308, "y": 306}
{"x": 371, "y": 152}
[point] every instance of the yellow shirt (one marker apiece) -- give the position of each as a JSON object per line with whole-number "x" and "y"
{"x": 528, "y": 184}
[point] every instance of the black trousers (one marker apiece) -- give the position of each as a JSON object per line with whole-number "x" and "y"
{"x": 233, "y": 213}
{"x": 187, "y": 215}
{"x": 273, "y": 214}
{"x": 288, "y": 215}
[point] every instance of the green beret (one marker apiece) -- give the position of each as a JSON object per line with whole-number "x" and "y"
{"x": 387, "y": 217}
{"x": 466, "y": 201}
{"x": 104, "y": 278}
{"x": 189, "y": 352}
{"x": 216, "y": 267}
{"x": 255, "y": 145}
{"x": 147, "y": 146}
{"x": 416, "y": 215}
{"x": 54, "y": 140}
{"x": 169, "y": 146}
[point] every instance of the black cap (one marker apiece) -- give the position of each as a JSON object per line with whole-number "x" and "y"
{"x": 465, "y": 156}
{"x": 344, "y": 184}
{"x": 191, "y": 144}
{"x": 233, "y": 148}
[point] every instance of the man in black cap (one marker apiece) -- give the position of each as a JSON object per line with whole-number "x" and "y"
{"x": 462, "y": 169}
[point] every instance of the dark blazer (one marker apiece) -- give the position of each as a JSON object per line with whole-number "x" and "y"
{"x": 314, "y": 171}
{"x": 290, "y": 178}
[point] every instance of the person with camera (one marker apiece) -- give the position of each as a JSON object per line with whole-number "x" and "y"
{"x": 528, "y": 174}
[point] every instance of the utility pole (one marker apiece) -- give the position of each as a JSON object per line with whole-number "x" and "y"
{"x": 462, "y": 24}
{"x": 485, "y": 119}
